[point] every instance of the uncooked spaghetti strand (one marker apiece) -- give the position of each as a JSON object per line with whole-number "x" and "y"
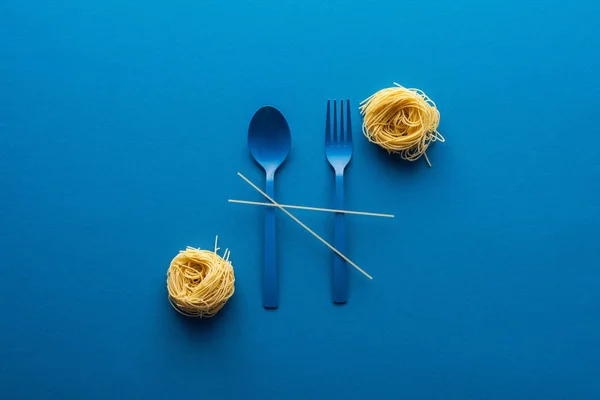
{"x": 304, "y": 226}
{"x": 331, "y": 210}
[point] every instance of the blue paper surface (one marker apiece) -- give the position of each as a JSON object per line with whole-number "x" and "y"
{"x": 122, "y": 127}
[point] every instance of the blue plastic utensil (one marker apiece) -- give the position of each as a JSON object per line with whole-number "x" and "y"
{"x": 269, "y": 141}
{"x": 338, "y": 148}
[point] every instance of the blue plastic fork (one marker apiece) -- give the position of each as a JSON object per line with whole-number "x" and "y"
{"x": 338, "y": 148}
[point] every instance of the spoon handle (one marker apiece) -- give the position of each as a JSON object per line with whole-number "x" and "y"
{"x": 270, "y": 278}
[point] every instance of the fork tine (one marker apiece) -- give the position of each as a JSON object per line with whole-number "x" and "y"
{"x": 342, "y": 138}
{"x": 335, "y": 122}
{"x": 328, "y": 124}
{"x": 348, "y": 123}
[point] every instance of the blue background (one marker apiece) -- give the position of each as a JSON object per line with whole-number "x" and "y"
{"x": 122, "y": 127}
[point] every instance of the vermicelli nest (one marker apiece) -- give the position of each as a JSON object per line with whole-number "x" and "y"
{"x": 402, "y": 121}
{"x": 200, "y": 282}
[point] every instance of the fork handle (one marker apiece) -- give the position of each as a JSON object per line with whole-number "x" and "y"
{"x": 340, "y": 269}
{"x": 270, "y": 278}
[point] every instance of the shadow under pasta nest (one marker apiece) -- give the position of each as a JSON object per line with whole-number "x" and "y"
{"x": 394, "y": 160}
{"x": 205, "y": 326}
{"x": 399, "y": 165}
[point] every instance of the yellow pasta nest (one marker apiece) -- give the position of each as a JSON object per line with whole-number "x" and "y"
{"x": 200, "y": 282}
{"x": 402, "y": 121}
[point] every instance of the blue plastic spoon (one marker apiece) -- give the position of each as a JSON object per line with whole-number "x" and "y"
{"x": 269, "y": 141}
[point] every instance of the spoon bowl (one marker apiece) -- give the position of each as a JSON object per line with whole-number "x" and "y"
{"x": 269, "y": 138}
